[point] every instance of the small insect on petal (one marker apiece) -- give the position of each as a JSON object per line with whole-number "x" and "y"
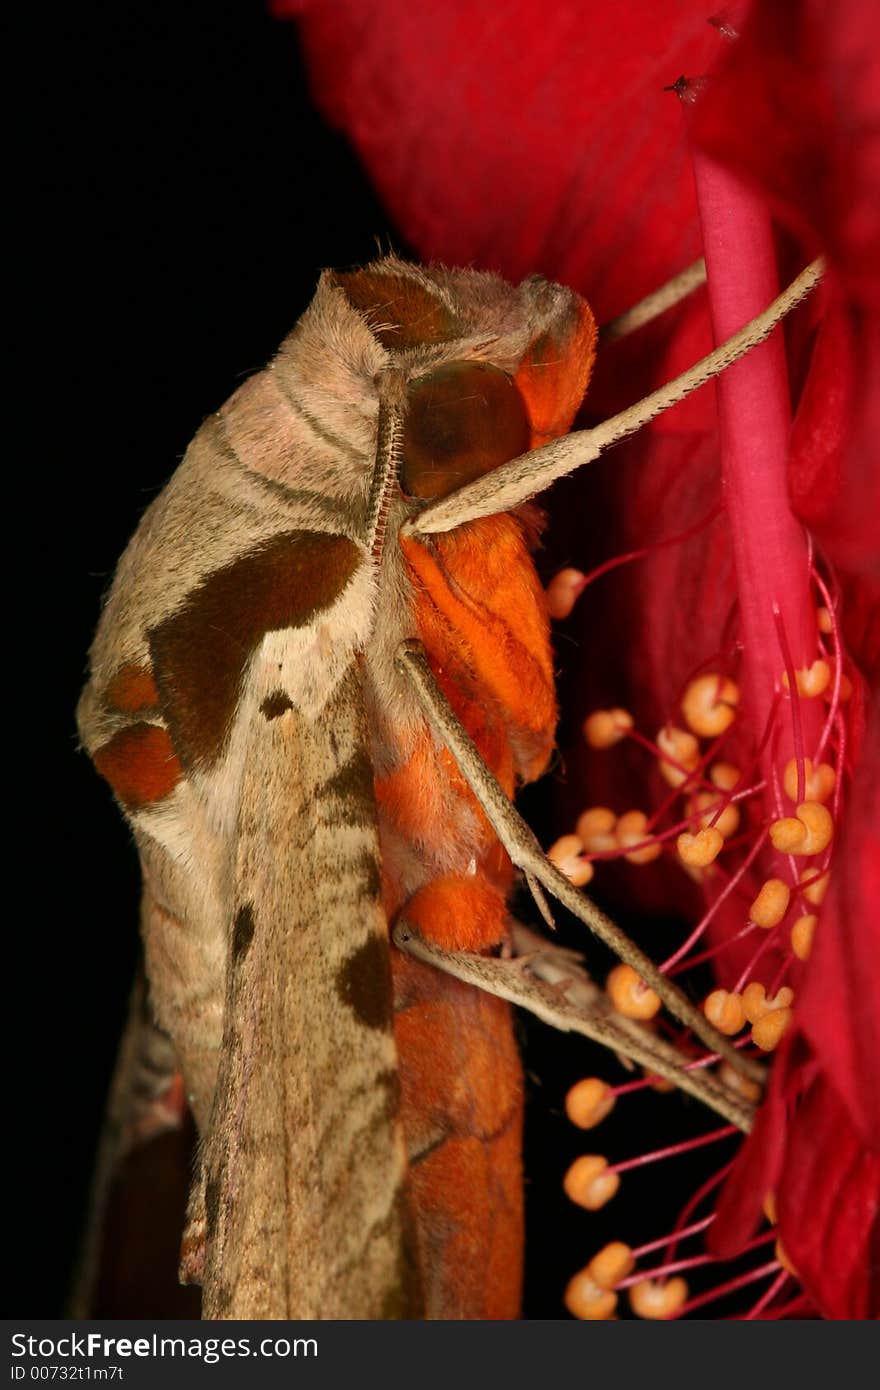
{"x": 589, "y": 1101}
{"x": 605, "y": 727}
{"x": 630, "y": 995}
{"x": 709, "y": 705}
{"x": 771, "y": 904}
{"x": 656, "y": 1300}
{"x": 589, "y": 1183}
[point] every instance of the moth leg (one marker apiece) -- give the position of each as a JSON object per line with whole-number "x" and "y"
{"x": 526, "y": 853}
{"x": 570, "y": 1001}
{"x": 655, "y": 304}
{"x": 515, "y": 482}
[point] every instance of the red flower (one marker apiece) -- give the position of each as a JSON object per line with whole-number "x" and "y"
{"x": 539, "y": 138}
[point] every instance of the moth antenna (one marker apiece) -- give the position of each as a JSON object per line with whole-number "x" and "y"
{"x": 655, "y": 303}
{"x": 513, "y": 483}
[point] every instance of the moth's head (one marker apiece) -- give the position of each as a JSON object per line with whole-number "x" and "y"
{"x": 493, "y": 369}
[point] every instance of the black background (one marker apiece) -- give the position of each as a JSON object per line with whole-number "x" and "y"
{"x": 188, "y": 195}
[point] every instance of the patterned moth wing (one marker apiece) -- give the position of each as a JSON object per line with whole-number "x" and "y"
{"x": 359, "y": 1116}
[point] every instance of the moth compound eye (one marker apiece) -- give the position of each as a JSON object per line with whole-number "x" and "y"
{"x": 462, "y": 420}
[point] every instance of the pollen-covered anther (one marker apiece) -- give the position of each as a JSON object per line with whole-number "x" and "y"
{"x": 605, "y": 727}
{"x": 595, "y": 826}
{"x": 768, "y": 1032}
{"x": 709, "y": 705}
{"x": 802, "y": 932}
{"x": 725, "y": 1010}
{"x": 567, "y": 855}
{"x": 705, "y": 807}
{"x": 632, "y": 829}
{"x": 771, "y": 904}
{"x": 819, "y": 782}
{"x": 808, "y": 832}
{"x": 700, "y": 849}
{"x": 734, "y": 1081}
{"x": 724, "y": 776}
{"x": 563, "y": 592}
{"x": 655, "y": 1300}
{"x": 611, "y": 1264}
{"x": 589, "y": 1101}
{"x": 824, "y": 621}
{"x": 589, "y": 1183}
{"x": 811, "y": 680}
{"x": 768, "y": 1206}
{"x": 680, "y": 754}
{"x": 758, "y": 1006}
{"x": 630, "y": 995}
{"x": 816, "y": 886}
{"x": 584, "y": 1298}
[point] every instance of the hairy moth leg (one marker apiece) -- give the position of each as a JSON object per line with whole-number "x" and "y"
{"x": 514, "y": 483}
{"x": 527, "y": 855}
{"x": 575, "y": 1007}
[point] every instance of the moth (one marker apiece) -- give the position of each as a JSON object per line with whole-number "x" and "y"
{"x": 321, "y": 672}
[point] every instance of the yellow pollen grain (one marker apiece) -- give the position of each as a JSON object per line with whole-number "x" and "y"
{"x": 588, "y": 1182}
{"x": 724, "y": 775}
{"x": 605, "y": 727}
{"x": 656, "y": 1300}
{"x": 589, "y": 1101}
{"x": 823, "y": 621}
{"x": 758, "y": 1006}
{"x": 808, "y": 832}
{"x": 811, "y": 680}
{"x": 700, "y": 849}
{"x": 771, "y": 904}
{"x": 725, "y": 1010}
{"x": 596, "y": 829}
{"x": 630, "y": 995}
{"x": 802, "y": 933}
{"x": 709, "y": 810}
{"x": 709, "y": 705}
{"x": 749, "y": 1090}
{"x": 819, "y": 782}
{"x": 586, "y": 1301}
{"x": 563, "y": 591}
{"x": 631, "y": 829}
{"x": 567, "y": 854}
{"x": 677, "y": 746}
{"x": 815, "y": 891}
{"x": 611, "y": 1264}
{"x": 767, "y": 1033}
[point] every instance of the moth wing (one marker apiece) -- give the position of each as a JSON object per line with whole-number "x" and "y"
{"x": 304, "y": 1164}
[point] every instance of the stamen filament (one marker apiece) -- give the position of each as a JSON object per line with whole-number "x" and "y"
{"x": 686, "y": 1146}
